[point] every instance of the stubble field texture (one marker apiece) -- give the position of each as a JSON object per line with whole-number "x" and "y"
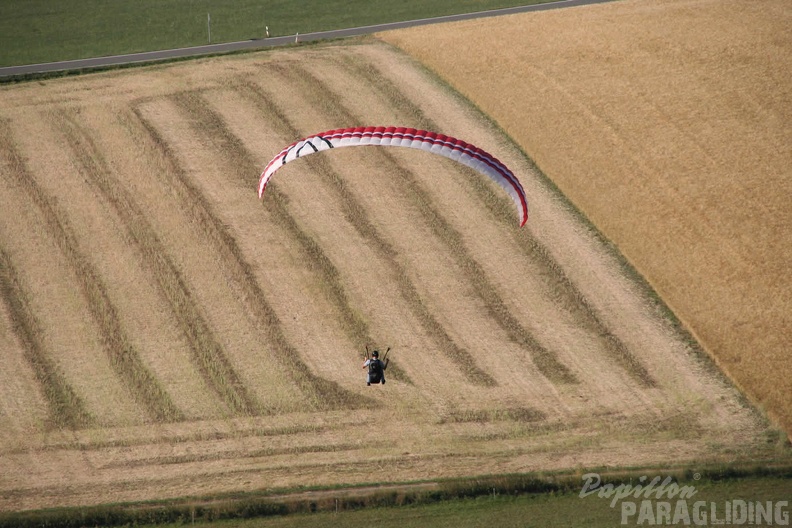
{"x": 166, "y": 334}
{"x": 669, "y": 125}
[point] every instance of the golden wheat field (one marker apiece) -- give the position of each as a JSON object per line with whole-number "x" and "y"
{"x": 669, "y": 125}
{"x": 164, "y": 333}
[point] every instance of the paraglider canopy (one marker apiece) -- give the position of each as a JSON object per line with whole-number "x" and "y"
{"x": 432, "y": 142}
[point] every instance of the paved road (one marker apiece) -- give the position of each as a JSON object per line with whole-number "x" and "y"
{"x": 153, "y": 56}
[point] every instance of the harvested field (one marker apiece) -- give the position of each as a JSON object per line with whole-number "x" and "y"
{"x": 669, "y": 125}
{"x": 164, "y": 333}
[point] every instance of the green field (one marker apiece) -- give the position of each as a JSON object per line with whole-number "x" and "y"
{"x": 39, "y": 31}
{"x": 755, "y": 499}
{"x": 568, "y": 510}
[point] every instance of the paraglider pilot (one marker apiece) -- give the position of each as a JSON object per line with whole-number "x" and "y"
{"x": 376, "y": 368}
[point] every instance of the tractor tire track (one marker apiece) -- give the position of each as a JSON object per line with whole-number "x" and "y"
{"x": 124, "y": 358}
{"x": 359, "y": 218}
{"x": 206, "y": 349}
{"x": 66, "y": 409}
{"x": 325, "y": 394}
{"x": 573, "y": 298}
{"x": 329, "y": 394}
{"x": 546, "y": 360}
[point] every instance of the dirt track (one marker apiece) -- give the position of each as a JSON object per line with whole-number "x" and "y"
{"x": 167, "y": 334}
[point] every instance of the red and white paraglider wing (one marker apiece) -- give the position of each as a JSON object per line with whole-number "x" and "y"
{"x": 432, "y": 142}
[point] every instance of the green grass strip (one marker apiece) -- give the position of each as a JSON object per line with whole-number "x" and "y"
{"x": 550, "y": 499}
{"x": 35, "y": 31}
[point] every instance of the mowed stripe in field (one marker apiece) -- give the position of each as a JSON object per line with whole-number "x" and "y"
{"x": 180, "y": 132}
{"x": 56, "y": 280}
{"x": 35, "y": 391}
{"x": 117, "y": 344}
{"x": 153, "y": 179}
{"x": 208, "y": 352}
{"x": 234, "y": 293}
{"x": 323, "y": 200}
